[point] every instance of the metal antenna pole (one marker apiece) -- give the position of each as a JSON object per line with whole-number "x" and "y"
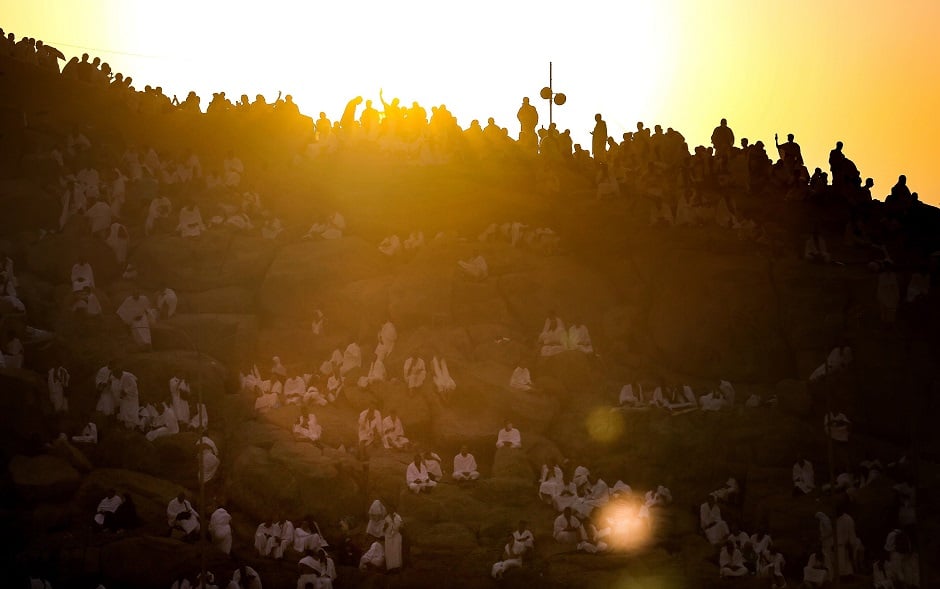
{"x": 550, "y": 87}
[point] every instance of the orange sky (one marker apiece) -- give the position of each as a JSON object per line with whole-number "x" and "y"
{"x": 864, "y": 72}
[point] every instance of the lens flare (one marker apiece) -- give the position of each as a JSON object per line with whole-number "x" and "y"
{"x": 625, "y": 528}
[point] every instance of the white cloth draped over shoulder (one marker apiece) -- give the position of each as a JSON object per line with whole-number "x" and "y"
{"x": 190, "y": 222}
{"x": 521, "y": 379}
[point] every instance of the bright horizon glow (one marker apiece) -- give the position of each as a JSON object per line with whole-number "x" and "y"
{"x": 863, "y": 72}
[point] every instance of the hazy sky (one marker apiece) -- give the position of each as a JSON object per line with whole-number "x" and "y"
{"x": 863, "y": 71}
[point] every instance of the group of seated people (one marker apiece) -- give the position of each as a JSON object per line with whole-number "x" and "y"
{"x": 679, "y": 401}
{"x": 555, "y": 338}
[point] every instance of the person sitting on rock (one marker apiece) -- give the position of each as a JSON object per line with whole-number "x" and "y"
{"x": 475, "y": 267}
{"x": 442, "y": 379}
{"x": 136, "y": 312}
{"x": 804, "y": 479}
{"x": 510, "y": 559}
{"x": 82, "y": 275}
{"x": 731, "y": 561}
{"x": 414, "y": 372}
{"x": 465, "y": 466}
{"x": 245, "y": 577}
{"x": 567, "y": 528}
{"x": 714, "y": 528}
{"x": 265, "y": 538}
{"x": 393, "y": 433}
{"x": 89, "y": 434}
{"x": 521, "y": 379}
{"x": 181, "y": 517}
{"x": 553, "y": 338}
{"x": 370, "y": 427}
{"x": 509, "y": 437}
{"x": 523, "y": 540}
{"x": 104, "y": 516}
{"x": 374, "y": 558}
{"x": 417, "y": 476}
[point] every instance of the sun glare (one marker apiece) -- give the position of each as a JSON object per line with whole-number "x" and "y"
{"x": 627, "y": 529}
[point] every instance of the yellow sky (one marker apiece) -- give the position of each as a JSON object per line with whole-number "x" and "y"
{"x": 864, "y": 71}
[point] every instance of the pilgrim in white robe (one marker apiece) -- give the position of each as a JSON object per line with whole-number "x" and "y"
{"x": 442, "y": 378}
{"x": 387, "y": 337}
{"x": 295, "y": 388}
{"x": 551, "y": 482}
{"x": 250, "y": 580}
{"x": 511, "y": 559}
{"x": 306, "y": 538}
{"x": 465, "y": 467}
{"x": 135, "y": 313}
{"x": 99, "y": 217}
{"x": 553, "y": 338}
{"x": 200, "y": 420}
{"x": 417, "y": 477}
{"x": 370, "y": 427}
{"x": 817, "y": 570}
{"x": 282, "y": 538}
{"x": 509, "y": 437}
{"x": 58, "y": 380}
{"x": 308, "y": 428}
{"x": 375, "y": 526}
{"x": 166, "y": 303}
{"x": 390, "y": 246}
{"x": 168, "y": 425}
{"x": 579, "y": 339}
{"x": 209, "y": 458}
{"x": 220, "y": 529}
{"x": 567, "y": 528}
{"x": 179, "y": 387}
{"x": 190, "y": 222}
{"x": 393, "y": 433}
{"x": 414, "y": 240}
{"x": 316, "y": 325}
{"x": 628, "y": 398}
{"x": 82, "y": 276}
{"x": 89, "y": 434}
{"x": 267, "y": 399}
{"x": 130, "y": 400}
{"x": 106, "y": 508}
{"x": 374, "y": 557}
{"x": 159, "y": 208}
{"x": 118, "y": 240}
{"x": 804, "y": 479}
{"x": 264, "y": 538}
{"x": 715, "y": 528}
{"x": 177, "y": 519}
{"x": 475, "y": 267}
{"x": 393, "y": 524}
{"x": 520, "y": 379}
{"x": 87, "y": 302}
{"x": 106, "y": 401}
{"x": 731, "y": 562}
{"x": 352, "y": 358}
{"x": 848, "y": 544}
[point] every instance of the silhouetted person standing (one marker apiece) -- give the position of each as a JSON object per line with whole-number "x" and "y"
{"x": 790, "y": 151}
{"x": 599, "y": 139}
{"x": 528, "y": 119}
{"x": 348, "y": 120}
{"x": 723, "y": 141}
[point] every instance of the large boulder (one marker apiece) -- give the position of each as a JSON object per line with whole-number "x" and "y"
{"x": 214, "y": 260}
{"x": 303, "y": 273}
{"x": 43, "y": 477}
{"x": 727, "y": 327}
{"x": 225, "y": 337}
{"x": 151, "y": 562}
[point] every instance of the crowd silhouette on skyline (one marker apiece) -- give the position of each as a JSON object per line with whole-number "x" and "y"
{"x": 680, "y": 187}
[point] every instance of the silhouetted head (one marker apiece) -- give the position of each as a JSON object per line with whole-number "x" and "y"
{"x": 724, "y": 122}
{"x": 597, "y": 117}
{"x": 902, "y": 180}
{"x": 789, "y": 136}
{"x": 838, "y": 146}
{"x": 525, "y": 100}
{"x": 868, "y": 182}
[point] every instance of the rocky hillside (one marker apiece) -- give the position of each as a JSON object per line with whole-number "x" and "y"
{"x": 664, "y": 304}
